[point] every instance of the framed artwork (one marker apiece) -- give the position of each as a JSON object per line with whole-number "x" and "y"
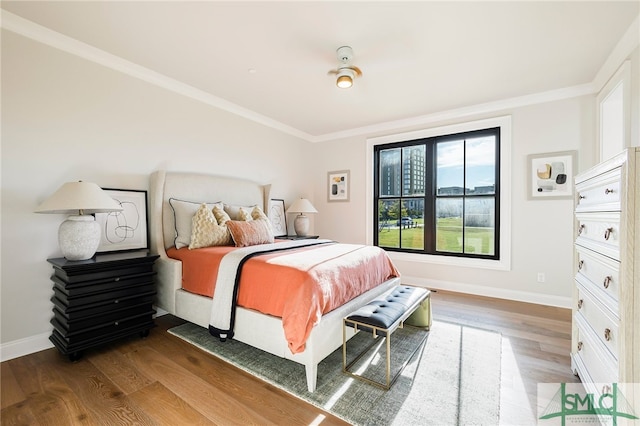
{"x": 550, "y": 176}
{"x": 338, "y": 186}
{"x": 277, "y": 217}
{"x": 127, "y": 229}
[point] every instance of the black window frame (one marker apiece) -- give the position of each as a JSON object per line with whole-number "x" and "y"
{"x": 431, "y": 196}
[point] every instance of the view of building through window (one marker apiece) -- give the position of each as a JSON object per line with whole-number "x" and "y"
{"x": 439, "y": 195}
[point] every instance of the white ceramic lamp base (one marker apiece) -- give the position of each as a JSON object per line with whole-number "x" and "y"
{"x": 301, "y": 225}
{"x": 79, "y": 237}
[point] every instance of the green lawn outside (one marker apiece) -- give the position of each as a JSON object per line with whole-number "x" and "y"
{"x": 448, "y": 234}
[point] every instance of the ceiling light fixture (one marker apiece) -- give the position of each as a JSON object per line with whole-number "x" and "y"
{"x": 345, "y": 78}
{"x": 345, "y": 72}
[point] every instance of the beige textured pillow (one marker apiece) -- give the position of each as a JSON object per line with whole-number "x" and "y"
{"x": 205, "y": 231}
{"x": 257, "y": 213}
{"x": 221, "y": 216}
{"x": 244, "y": 215}
{"x": 250, "y": 233}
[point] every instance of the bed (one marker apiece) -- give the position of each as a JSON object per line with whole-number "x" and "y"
{"x": 252, "y": 327}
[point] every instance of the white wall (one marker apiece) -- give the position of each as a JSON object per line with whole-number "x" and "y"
{"x": 541, "y": 232}
{"x": 65, "y": 119}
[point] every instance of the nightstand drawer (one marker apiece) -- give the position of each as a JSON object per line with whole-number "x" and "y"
{"x": 105, "y": 329}
{"x": 78, "y": 311}
{"x": 605, "y": 327}
{"x": 102, "y": 286}
{"x": 103, "y": 297}
{"x": 70, "y": 325}
{"x": 602, "y": 193}
{"x": 600, "y": 232}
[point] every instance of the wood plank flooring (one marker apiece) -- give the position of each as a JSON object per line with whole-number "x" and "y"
{"x": 163, "y": 380}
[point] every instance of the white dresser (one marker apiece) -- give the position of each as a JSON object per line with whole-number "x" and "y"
{"x": 606, "y": 311}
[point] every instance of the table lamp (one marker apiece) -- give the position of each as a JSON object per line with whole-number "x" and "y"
{"x": 301, "y": 223}
{"x": 79, "y": 235}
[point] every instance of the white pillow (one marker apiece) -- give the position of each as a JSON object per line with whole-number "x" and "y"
{"x": 183, "y": 212}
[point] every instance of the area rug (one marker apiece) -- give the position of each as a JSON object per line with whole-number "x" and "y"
{"x": 453, "y": 379}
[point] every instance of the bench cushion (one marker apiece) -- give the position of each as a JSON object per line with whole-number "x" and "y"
{"x": 384, "y": 312}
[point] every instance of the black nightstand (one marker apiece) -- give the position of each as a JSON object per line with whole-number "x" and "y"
{"x": 101, "y": 299}
{"x": 297, "y": 237}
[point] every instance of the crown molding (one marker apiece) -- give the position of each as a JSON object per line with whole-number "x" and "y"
{"x": 464, "y": 112}
{"x": 29, "y": 29}
{"x": 39, "y": 33}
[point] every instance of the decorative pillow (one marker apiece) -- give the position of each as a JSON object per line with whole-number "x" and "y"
{"x": 221, "y": 216}
{"x": 183, "y": 212}
{"x": 250, "y": 233}
{"x": 205, "y": 231}
{"x": 234, "y": 210}
{"x": 244, "y": 215}
{"x": 257, "y": 213}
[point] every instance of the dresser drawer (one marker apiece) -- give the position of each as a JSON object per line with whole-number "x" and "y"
{"x": 600, "y": 232}
{"x": 602, "y": 367}
{"x": 601, "y": 193}
{"x": 604, "y": 326}
{"x": 601, "y": 275}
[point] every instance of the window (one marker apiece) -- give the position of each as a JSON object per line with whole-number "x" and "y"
{"x": 439, "y": 195}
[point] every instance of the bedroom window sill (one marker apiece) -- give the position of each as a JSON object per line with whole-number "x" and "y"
{"x": 499, "y": 265}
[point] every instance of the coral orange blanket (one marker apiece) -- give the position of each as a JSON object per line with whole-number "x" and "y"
{"x": 298, "y": 285}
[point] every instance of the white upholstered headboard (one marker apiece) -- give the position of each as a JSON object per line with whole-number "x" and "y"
{"x": 195, "y": 187}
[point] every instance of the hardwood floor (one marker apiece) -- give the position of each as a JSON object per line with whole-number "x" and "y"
{"x": 163, "y": 380}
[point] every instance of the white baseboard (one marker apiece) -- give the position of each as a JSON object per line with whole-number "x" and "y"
{"x": 26, "y": 346}
{"x": 499, "y": 293}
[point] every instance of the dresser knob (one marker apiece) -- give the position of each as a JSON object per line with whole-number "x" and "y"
{"x": 579, "y": 346}
{"x": 580, "y": 265}
{"x": 607, "y": 334}
{"x": 580, "y": 229}
{"x": 116, "y": 301}
{"x": 580, "y": 302}
{"x": 117, "y": 279}
{"x": 608, "y": 191}
{"x": 607, "y": 281}
{"x": 607, "y": 233}
{"x": 116, "y": 323}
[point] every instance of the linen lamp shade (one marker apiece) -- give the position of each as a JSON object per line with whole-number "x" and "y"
{"x": 301, "y": 223}
{"x": 79, "y": 235}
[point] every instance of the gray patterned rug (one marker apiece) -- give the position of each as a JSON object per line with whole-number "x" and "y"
{"x": 453, "y": 379}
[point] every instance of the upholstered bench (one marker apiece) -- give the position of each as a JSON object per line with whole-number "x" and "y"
{"x": 382, "y": 316}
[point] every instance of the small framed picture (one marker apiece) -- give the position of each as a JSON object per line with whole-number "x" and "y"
{"x": 126, "y": 229}
{"x": 277, "y": 217}
{"x": 338, "y": 186}
{"x": 550, "y": 176}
